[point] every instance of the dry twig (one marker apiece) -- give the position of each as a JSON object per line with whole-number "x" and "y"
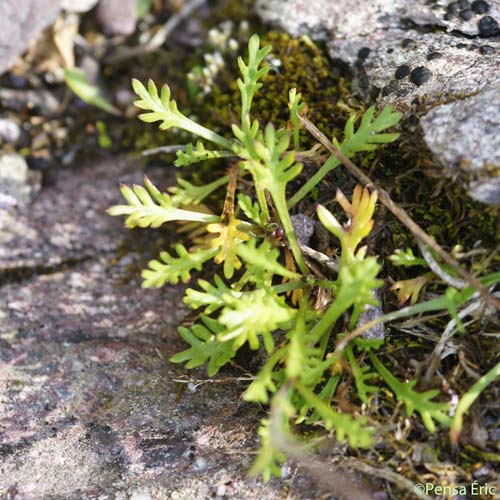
{"x": 400, "y": 213}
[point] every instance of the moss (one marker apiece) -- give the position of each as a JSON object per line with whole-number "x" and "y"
{"x": 295, "y": 62}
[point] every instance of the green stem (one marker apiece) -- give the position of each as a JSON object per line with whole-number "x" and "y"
{"x": 261, "y": 198}
{"x": 325, "y": 324}
{"x": 468, "y": 399}
{"x": 328, "y": 166}
{"x": 279, "y": 199}
{"x": 286, "y": 287}
{"x": 209, "y": 135}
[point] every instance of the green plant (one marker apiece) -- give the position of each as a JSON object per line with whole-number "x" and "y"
{"x": 261, "y": 267}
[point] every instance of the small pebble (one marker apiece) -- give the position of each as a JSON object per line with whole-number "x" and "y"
{"x": 434, "y": 55}
{"x": 390, "y": 50}
{"x": 462, "y": 46}
{"x": 221, "y": 491}
{"x": 402, "y": 71}
{"x": 420, "y": 75}
{"x": 9, "y": 130}
{"x": 466, "y": 14}
{"x": 141, "y": 495}
{"x": 486, "y": 50}
{"x": 303, "y": 227}
{"x": 363, "y": 53}
{"x": 463, "y": 4}
{"x": 488, "y": 26}
{"x": 406, "y": 42}
{"x": 448, "y": 16}
{"x": 480, "y": 7}
{"x": 200, "y": 464}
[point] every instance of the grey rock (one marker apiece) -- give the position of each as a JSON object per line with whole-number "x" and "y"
{"x": 9, "y": 130}
{"x": 460, "y": 70}
{"x": 447, "y": 59}
{"x": 40, "y": 100}
{"x": 325, "y": 19}
{"x": 465, "y": 134}
{"x": 397, "y": 33}
{"x": 17, "y": 183}
{"x": 304, "y": 228}
{"x": 20, "y": 22}
{"x": 118, "y": 17}
{"x": 68, "y": 221}
{"x": 487, "y": 191}
{"x": 78, "y": 5}
{"x": 90, "y": 403}
{"x": 91, "y": 407}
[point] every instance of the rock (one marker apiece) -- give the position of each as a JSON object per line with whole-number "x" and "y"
{"x": 91, "y": 406}
{"x": 90, "y": 403}
{"x": 304, "y": 228}
{"x": 9, "y": 130}
{"x": 17, "y": 184}
{"x": 445, "y": 64}
{"x": 56, "y": 227}
{"x": 78, "y": 5}
{"x": 466, "y": 134}
{"x": 37, "y": 101}
{"x": 20, "y": 22}
{"x": 487, "y": 191}
{"x": 118, "y": 17}
{"x": 408, "y": 54}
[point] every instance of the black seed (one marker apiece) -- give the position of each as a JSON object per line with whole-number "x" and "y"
{"x": 448, "y": 16}
{"x": 363, "y": 53}
{"x": 453, "y": 7}
{"x": 463, "y": 4}
{"x": 488, "y": 26}
{"x": 434, "y": 55}
{"x": 406, "y": 42}
{"x": 402, "y": 71}
{"x": 480, "y": 7}
{"x": 420, "y": 75}
{"x": 390, "y": 50}
{"x": 486, "y": 50}
{"x": 462, "y": 46}
{"x": 466, "y": 14}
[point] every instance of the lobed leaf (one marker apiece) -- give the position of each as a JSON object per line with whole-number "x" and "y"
{"x": 197, "y": 154}
{"x": 414, "y": 401}
{"x": 205, "y": 347}
{"x": 263, "y": 259}
{"x": 147, "y": 207}
{"x": 255, "y": 313}
{"x": 250, "y": 209}
{"x": 251, "y": 73}
{"x": 185, "y": 193}
{"x": 212, "y": 297}
{"x": 355, "y": 430}
{"x": 227, "y": 242}
{"x": 406, "y": 258}
{"x": 175, "y": 269}
{"x": 361, "y": 375}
